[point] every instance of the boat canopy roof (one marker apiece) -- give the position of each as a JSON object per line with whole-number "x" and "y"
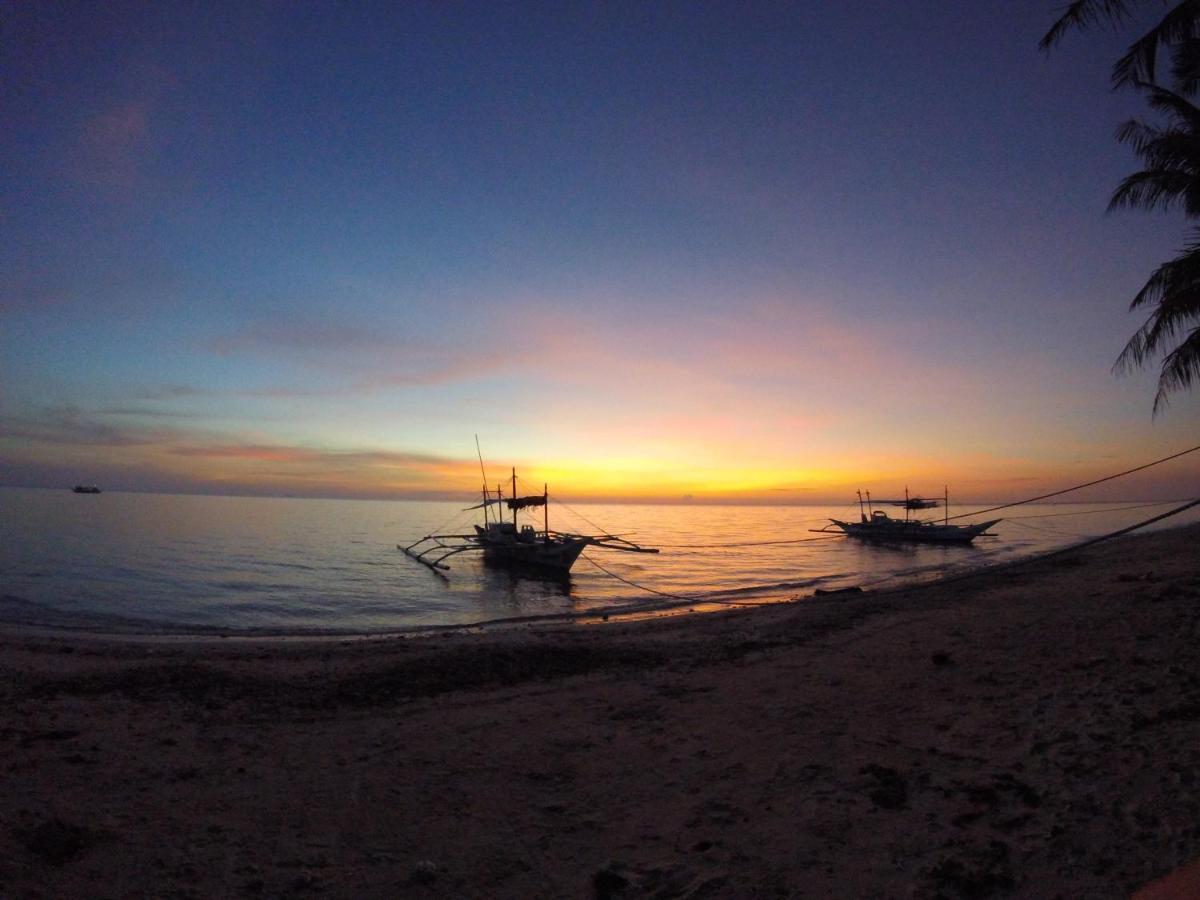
{"x": 512, "y": 502}
{"x": 912, "y": 503}
{"x": 522, "y": 502}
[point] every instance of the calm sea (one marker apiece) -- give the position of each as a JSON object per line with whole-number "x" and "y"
{"x": 155, "y": 563}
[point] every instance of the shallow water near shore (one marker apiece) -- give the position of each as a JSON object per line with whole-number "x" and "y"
{"x": 172, "y": 563}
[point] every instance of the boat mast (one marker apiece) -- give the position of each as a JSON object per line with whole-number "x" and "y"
{"x": 514, "y": 496}
{"x": 482, "y": 472}
{"x": 906, "y": 505}
{"x": 946, "y": 504}
{"x": 871, "y": 511}
{"x": 862, "y": 515}
{"x": 546, "y": 507}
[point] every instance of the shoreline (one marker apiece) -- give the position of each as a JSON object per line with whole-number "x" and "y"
{"x": 148, "y": 631}
{"x": 1027, "y": 731}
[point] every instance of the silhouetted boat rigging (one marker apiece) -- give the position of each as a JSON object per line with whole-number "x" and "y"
{"x": 504, "y": 543}
{"x": 876, "y": 525}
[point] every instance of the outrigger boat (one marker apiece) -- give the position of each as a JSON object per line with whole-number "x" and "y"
{"x": 877, "y": 525}
{"x": 503, "y": 543}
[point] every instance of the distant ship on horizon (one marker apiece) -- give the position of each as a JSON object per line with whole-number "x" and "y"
{"x": 85, "y": 489}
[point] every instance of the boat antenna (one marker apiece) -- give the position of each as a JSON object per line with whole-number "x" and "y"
{"x": 482, "y": 472}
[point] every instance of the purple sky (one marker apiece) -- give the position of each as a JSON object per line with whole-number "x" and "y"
{"x": 644, "y": 250}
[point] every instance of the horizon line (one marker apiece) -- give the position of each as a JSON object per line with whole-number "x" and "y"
{"x": 622, "y": 501}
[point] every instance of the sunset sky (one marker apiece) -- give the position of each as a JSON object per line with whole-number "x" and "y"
{"x": 766, "y": 252}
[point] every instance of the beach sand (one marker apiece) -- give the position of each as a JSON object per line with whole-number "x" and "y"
{"x": 1033, "y": 731}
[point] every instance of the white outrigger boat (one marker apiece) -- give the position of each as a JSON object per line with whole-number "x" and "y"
{"x": 504, "y": 543}
{"x": 877, "y": 525}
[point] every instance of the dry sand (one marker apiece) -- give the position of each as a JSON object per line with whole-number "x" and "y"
{"x": 1029, "y": 732}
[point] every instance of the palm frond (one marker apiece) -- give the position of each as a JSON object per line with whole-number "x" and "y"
{"x": 1137, "y": 134}
{"x": 1133, "y": 356}
{"x": 1149, "y": 340}
{"x": 1140, "y": 62}
{"x": 1170, "y": 156}
{"x": 1083, "y": 13}
{"x": 1153, "y": 188}
{"x": 1185, "y": 66}
{"x": 1173, "y": 292}
{"x": 1180, "y": 369}
{"x": 1174, "y": 314}
{"x": 1172, "y": 152}
{"x": 1169, "y": 278}
{"x": 1173, "y": 104}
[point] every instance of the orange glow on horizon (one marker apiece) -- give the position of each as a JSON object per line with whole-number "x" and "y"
{"x": 671, "y": 464}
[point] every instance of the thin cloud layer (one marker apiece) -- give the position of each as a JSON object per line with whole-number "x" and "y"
{"x": 357, "y": 358}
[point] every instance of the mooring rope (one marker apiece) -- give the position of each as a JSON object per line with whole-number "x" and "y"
{"x": 1090, "y": 512}
{"x": 746, "y": 544}
{"x": 683, "y": 598}
{"x": 1120, "y": 531}
{"x": 459, "y": 516}
{"x": 1157, "y": 462}
{"x": 575, "y": 512}
{"x": 970, "y": 574}
{"x": 641, "y": 587}
{"x": 1043, "y": 529}
{"x": 697, "y": 598}
{"x": 706, "y": 546}
{"x": 1061, "y": 551}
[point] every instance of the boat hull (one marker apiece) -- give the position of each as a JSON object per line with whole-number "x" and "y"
{"x": 893, "y": 531}
{"x": 557, "y": 555}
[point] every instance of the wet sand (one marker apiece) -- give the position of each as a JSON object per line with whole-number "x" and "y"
{"x": 1028, "y": 732}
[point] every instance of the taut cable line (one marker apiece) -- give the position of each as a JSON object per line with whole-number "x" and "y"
{"x": 1077, "y": 487}
{"x": 1091, "y": 512}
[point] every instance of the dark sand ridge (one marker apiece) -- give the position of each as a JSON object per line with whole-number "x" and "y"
{"x": 1027, "y": 732}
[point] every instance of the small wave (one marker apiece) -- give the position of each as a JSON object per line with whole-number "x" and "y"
{"x": 24, "y": 613}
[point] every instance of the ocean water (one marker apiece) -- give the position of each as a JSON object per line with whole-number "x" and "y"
{"x": 171, "y": 563}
